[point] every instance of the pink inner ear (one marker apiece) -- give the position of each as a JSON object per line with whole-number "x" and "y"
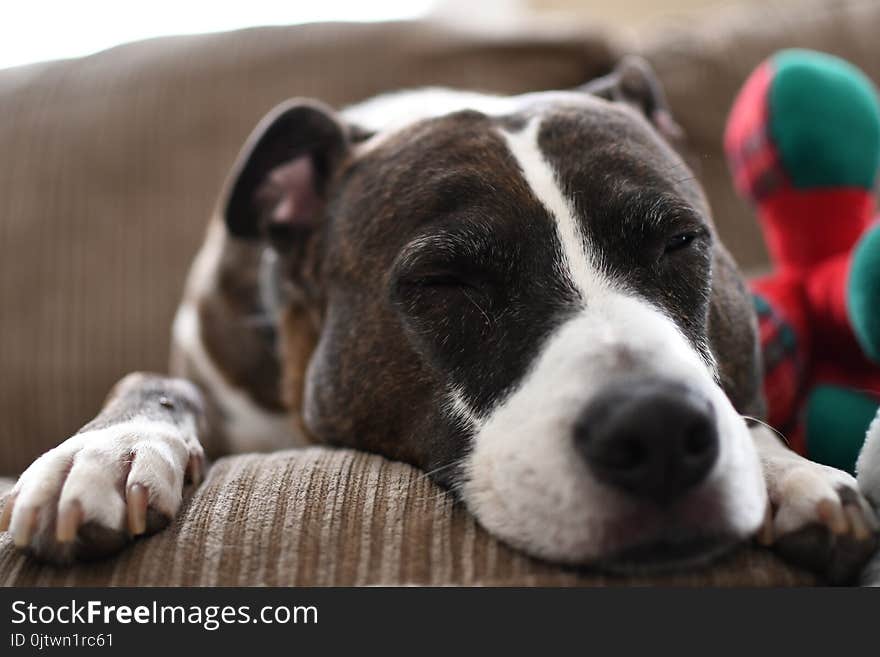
{"x": 293, "y": 188}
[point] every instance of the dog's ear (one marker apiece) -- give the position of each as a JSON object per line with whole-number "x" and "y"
{"x": 278, "y": 184}
{"x": 634, "y": 82}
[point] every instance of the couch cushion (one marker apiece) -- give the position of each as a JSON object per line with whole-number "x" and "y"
{"x": 322, "y": 517}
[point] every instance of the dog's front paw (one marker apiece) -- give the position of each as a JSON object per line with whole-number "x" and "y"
{"x": 97, "y": 490}
{"x": 819, "y": 519}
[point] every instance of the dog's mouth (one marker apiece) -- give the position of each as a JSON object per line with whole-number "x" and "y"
{"x": 664, "y": 556}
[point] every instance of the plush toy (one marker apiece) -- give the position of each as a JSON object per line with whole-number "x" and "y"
{"x": 803, "y": 144}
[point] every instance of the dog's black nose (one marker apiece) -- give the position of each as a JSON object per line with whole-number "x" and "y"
{"x": 653, "y": 438}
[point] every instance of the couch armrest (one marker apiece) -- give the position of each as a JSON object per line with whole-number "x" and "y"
{"x": 326, "y": 517}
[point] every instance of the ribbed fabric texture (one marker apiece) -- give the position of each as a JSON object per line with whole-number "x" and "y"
{"x": 324, "y": 517}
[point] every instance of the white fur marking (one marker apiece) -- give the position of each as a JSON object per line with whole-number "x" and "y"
{"x": 868, "y": 464}
{"x": 542, "y": 179}
{"x": 397, "y": 109}
{"x": 386, "y": 114}
{"x": 248, "y": 427}
{"x": 458, "y": 408}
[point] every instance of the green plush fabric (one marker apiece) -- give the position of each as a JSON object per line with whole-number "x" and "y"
{"x": 863, "y": 293}
{"x": 825, "y": 120}
{"x": 837, "y": 421}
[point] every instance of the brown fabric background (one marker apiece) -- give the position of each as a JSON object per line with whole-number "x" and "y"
{"x": 319, "y": 517}
{"x": 109, "y": 168}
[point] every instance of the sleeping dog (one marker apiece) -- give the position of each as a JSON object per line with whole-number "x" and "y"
{"x": 523, "y": 296}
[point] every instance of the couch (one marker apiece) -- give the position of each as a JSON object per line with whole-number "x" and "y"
{"x": 109, "y": 167}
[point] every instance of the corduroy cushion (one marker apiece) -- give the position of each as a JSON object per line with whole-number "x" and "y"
{"x": 324, "y": 517}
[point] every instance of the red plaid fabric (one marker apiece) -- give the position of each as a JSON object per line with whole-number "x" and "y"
{"x": 783, "y": 371}
{"x": 752, "y": 156}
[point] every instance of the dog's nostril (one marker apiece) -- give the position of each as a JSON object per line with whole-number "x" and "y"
{"x": 625, "y": 454}
{"x": 698, "y": 441}
{"x": 654, "y": 438}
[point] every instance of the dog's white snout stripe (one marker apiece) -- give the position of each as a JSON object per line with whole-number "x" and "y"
{"x": 575, "y": 265}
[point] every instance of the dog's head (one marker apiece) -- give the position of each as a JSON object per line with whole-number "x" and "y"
{"x": 524, "y": 297}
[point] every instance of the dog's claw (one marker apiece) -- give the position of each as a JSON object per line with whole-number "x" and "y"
{"x": 23, "y": 532}
{"x": 859, "y": 525}
{"x": 833, "y": 516}
{"x": 69, "y": 520}
{"x": 6, "y": 514}
{"x": 137, "y": 500}
{"x": 195, "y": 469}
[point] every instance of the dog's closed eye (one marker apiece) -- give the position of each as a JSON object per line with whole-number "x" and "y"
{"x": 680, "y": 241}
{"x": 439, "y": 279}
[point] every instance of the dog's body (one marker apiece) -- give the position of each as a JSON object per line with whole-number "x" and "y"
{"x": 522, "y": 296}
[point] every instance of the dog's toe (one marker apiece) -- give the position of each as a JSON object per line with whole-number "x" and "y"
{"x": 95, "y": 541}
{"x": 838, "y": 558}
{"x": 823, "y": 523}
{"x": 98, "y": 490}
